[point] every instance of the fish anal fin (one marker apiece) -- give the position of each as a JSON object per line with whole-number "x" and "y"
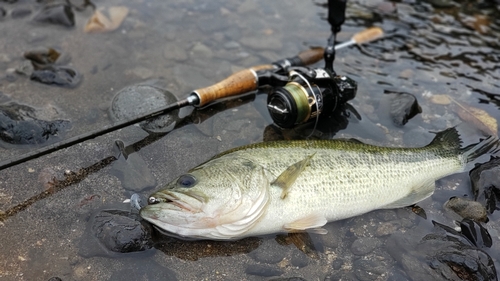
{"x": 288, "y": 177}
{"x": 312, "y": 223}
{"x": 417, "y": 194}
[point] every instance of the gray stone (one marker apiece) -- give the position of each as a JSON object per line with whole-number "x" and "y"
{"x": 467, "y": 209}
{"x": 174, "y": 52}
{"x": 262, "y": 42}
{"x": 372, "y": 269}
{"x": 364, "y": 245}
{"x": 387, "y": 228}
{"x": 232, "y": 45}
{"x": 135, "y": 100}
{"x": 263, "y": 270}
{"x": 141, "y": 72}
{"x": 299, "y": 259}
{"x": 111, "y": 232}
{"x": 269, "y": 252}
{"x": 201, "y": 51}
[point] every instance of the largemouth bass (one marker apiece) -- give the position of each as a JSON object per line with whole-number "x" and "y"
{"x": 293, "y": 186}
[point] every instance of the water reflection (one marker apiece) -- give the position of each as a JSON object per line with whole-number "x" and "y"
{"x": 431, "y": 48}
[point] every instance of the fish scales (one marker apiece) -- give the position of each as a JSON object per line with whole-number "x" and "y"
{"x": 341, "y": 182}
{"x": 292, "y": 186}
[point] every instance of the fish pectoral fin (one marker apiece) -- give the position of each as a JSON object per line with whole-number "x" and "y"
{"x": 286, "y": 179}
{"x": 417, "y": 194}
{"x": 312, "y": 222}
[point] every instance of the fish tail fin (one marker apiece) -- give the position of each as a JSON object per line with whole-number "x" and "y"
{"x": 490, "y": 144}
{"x": 449, "y": 140}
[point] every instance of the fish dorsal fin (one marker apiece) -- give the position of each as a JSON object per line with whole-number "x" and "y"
{"x": 312, "y": 222}
{"x": 417, "y": 194}
{"x": 286, "y": 179}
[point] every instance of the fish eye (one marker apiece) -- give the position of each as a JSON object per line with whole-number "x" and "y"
{"x": 153, "y": 200}
{"x": 186, "y": 181}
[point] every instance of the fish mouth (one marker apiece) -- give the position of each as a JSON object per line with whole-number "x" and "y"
{"x": 184, "y": 202}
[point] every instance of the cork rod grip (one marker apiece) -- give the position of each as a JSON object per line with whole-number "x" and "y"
{"x": 311, "y": 56}
{"x": 238, "y": 83}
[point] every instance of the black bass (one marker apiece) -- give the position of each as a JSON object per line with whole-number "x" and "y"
{"x": 293, "y": 186}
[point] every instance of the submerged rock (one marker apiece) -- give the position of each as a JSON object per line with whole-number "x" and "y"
{"x": 19, "y": 125}
{"x": 139, "y": 99}
{"x": 2, "y": 13}
{"x": 58, "y": 75}
{"x": 20, "y": 12}
{"x": 485, "y": 184}
{"x": 48, "y": 69}
{"x": 147, "y": 271}
{"x": 42, "y": 56}
{"x": 60, "y": 14}
{"x": 445, "y": 254}
{"x": 467, "y": 209}
{"x": 113, "y": 231}
{"x": 404, "y": 106}
{"x": 263, "y": 270}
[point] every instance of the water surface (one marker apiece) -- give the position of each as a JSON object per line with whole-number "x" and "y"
{"x": 447, "y": 48}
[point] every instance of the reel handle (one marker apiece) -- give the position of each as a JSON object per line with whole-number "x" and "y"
{"x": 247, "y": 80}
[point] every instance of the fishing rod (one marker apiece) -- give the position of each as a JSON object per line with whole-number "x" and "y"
{"x": 236, "y": 84}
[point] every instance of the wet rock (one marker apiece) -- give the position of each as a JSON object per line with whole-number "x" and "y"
{"x": 371, "y": 269}
{"x": 213, "y": 24}
{"x": 147, "y": 271}
{"x": 201, "y": 51}
{"x": 42, "y": 56}
{"x": 364, "y": 245}
{"x": 476, "y": 233}
{"x": 19, "y": 125}
{"x": 262, "y": 42}
{"x": 404, "y": 106}
{"x": 25, "y": 68}
{"x": 444, "y": 254}
{"x": 362, "y": 226}
{"x": 195, "y": 250}
{"x": 299, "y": 259}
{"x": 387, "y": 228}
{"x": 141, "y": 72}
{"x": 111, "y": 232}
{"x": 485, "y": 184}
{"x": 132, "y": 171}
{"x": 174, "y": 52}
{"x": 270, "y": 252}
{"x": 232, "y": 45}
{"x": 467, "y": 209}
{"x": 263, "y": 270}
{"x": 20, "y": 12}
{"x": 60, "y": 14}
{"x": 395, "y": 274}
{"x": 139, "y": 99}
{"x": 190, "y": 77}
{"x": 57, "y": 75}
{"x": 387, "y": 215}
{"x": 288, "y": 279}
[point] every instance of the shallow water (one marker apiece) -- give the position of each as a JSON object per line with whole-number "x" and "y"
{"x": 446, "y": 49}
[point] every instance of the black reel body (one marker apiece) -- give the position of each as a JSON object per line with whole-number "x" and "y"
{"x": 307, "y": 94}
